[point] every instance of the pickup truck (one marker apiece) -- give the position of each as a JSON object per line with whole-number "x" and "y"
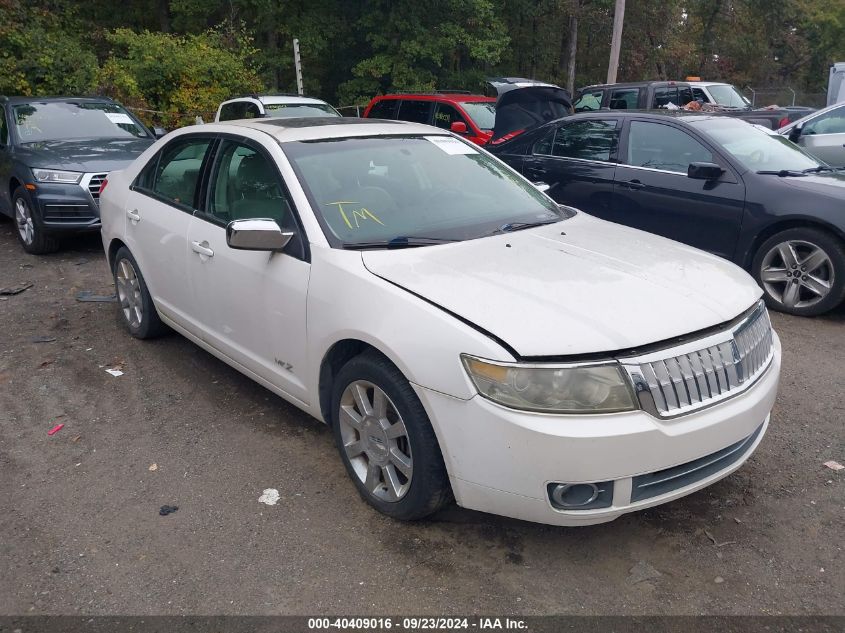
{"x": 653, "y": 95}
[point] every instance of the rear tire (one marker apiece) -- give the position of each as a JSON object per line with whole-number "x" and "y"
{"x": 30, "y": 233}
{"x": 386, "y": 441}
{"x": 136, "y": 305}
{"x": 801, "y": 271}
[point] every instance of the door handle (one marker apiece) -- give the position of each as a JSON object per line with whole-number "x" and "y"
{"x": 202, "y": 248}
{"x": 134, "y": 216}
{"x": 633, "y": 184}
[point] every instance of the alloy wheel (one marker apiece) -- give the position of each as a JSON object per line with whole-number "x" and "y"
{"x": 375, "y": 441}
{"x": 797, "y": 273}
{"x": 129, "y": 293}
{"x": 23, "y": 219}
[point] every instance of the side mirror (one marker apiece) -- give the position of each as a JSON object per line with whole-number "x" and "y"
{"x": 542, "y": 186}
{"x": 704, "y": 171}
{"x": 158, "y": 132}
{"x": 256, "y": 235}
{"x": 795, "y": 133}
{"x": 458, "y": 127}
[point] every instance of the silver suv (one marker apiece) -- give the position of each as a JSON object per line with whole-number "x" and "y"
{"x": 284, "y": 106}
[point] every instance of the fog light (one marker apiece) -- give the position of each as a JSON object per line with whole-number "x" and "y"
{"x": 581, "y": 496}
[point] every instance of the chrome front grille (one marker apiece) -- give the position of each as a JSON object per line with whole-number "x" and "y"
{"x": 93, "y": 185}
{"x": 675, "y": 381}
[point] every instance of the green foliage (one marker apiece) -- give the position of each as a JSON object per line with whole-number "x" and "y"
{"x": 41, "y": 53}
{"x": 183, "y": 76}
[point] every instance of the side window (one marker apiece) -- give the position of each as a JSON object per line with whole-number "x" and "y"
{"x": 384, "y": 109}
{"x": 244, "y": 185}
{"x": 416, "y": 111}
{"x": 698, "y": 95}
{"x": 4, "y": 130}
{"x": 832, "y": 122}
{"x": 230, "y": 112}
{"x": 587, "y": 140}
{"x": 175, "y": 173}
{"x": 445, "y": 115}
{"x": 251, "y": 111}
{"x": 685, "y": 95}
{"x": 663, "y": 147}
{"x": 624, "y": 99}
{"x": 543, "y": 147}
{"x": 589, "y": 101}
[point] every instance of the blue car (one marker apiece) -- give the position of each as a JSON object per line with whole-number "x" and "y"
{"x": 712, "y": 182}
{"x": 54, "y": 155}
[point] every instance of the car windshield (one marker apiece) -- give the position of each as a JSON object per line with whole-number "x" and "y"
{"x": 483, "y": 113}
{"x": 295, "y": 110}
{"x": 60, "y": 120}
{"x": 378, "y": 189}
{"x": 727, "y": 95}
{"x": 754, "y": 148}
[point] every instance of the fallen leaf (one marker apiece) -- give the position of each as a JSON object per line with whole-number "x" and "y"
{"x": 834, "y": 465}
{"x": 153, "y": 467}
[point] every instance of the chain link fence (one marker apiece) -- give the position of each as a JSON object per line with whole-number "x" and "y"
{"x": 785, "y": 96}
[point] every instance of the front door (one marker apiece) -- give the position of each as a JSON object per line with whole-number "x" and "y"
{"x": 824, "y": 137}
{"x": 251, "y": 303}
{"x": 652, "y": 191}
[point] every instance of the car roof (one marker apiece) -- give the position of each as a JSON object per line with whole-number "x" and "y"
{"x": 279, "y": 98}
{"x": 634, "y": 84}
{"x": 21, "y": 99}
{"x": 449, "y": 97}
{"x": 318, "y": 128}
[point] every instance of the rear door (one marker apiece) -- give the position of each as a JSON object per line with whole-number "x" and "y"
{"x": 576, "y": 158}
{"x": 652, "y": 191}
{"x": 824, "y": 136}
{"x": 158, "y": 212}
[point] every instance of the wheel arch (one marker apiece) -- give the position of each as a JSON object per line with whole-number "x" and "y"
{"x": 783, "y": 225}
{"x": 114, "y": 246}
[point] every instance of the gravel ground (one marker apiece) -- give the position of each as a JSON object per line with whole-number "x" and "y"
{"x": 80, "y": 530}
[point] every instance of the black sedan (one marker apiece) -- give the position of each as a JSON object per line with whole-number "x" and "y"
{"x": 715, "y": 183}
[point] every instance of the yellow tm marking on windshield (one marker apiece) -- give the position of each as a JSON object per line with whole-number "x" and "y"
{"x": 357, "y": 214}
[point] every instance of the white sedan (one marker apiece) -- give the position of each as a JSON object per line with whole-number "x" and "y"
{"x": 462, "y": 334}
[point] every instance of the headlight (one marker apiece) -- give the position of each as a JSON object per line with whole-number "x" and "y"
{"x": 52, "y": 175}
{"x": 600, "y": 388}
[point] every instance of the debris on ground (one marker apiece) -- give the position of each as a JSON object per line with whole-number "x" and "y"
{"x": 46, "y": 363}
{"x": 270, "y": 496}
{"x": 718, "y": 580}
{"x": 15, "y": 290}
{"x": 833, "y": 465}
{"x": 715, "y": 542}
{"x": 42, "y": 339}
{"x": 642, "y": 571}
{"x": 55, "y": 429}
{"x": 153, "y": 467}
{"x": 76, "y": 439}
{"x": 114, "y": 372}
{"x": 165, "y": 510}
{"x": 81, "y": 261}
{"x": 87, "y": 295}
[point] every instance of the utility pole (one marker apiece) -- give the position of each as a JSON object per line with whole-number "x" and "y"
{"x": 616, "y": 41}
{"x": 297, "y": 62}
{"x": 573, "y": 46}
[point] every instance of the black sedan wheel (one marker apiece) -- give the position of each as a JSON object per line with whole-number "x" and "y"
{"x": 801, "y": 271}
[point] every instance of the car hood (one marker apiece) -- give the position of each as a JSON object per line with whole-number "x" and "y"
{"x": 581, "y": 286}
{"x": 85, "y": 155}
{"x": 831, "y": 184}
{"x": 524, "y": 104}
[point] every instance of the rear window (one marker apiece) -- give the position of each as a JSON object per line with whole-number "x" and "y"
{"x": 293, "y": 110}
{"x": 384, "y": 109}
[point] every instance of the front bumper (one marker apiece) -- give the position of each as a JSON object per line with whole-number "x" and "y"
{"x": 66, "y": 208}
{"x": 502, "y": 461}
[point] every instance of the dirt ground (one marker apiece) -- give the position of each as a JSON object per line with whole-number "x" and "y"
{"x": 80, "y": 530}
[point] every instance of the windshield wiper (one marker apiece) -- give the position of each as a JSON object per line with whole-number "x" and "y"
{"x": 815, "y": 170}
{"x": 510, "y": 227}
{"x": 782, "y": 172}
{"x": 401, "y": 241}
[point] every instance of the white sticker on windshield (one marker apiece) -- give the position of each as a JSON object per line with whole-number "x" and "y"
{"x": 451, "y": 145}
{"x": 119, "y": 117}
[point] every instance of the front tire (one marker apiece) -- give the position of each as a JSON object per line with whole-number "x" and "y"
{"x": 136, "y": 305}
{"x": 801, "y": 271}
{"x": 29, "y": 230}
{"x": 386, "y": 441}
